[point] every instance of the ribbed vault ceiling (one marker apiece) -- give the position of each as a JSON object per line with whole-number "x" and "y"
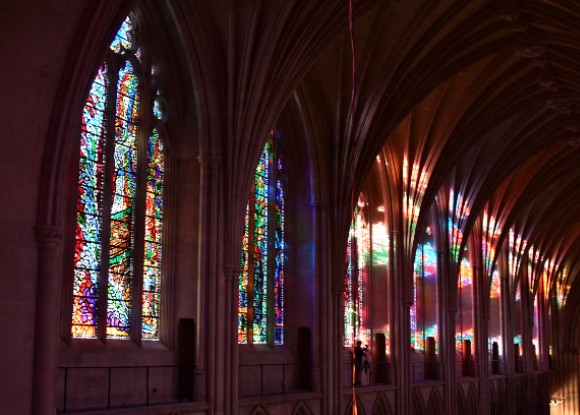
{"x": 483, "y": 95}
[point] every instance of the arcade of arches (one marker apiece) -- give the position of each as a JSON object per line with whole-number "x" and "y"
{"x": 208, "y": 203}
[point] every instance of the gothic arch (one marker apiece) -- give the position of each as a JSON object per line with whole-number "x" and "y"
{"x": 382, "y": 406}
{"x": 435, "y": 405}
{"x": 359, "y": 406}
{"x": 494, "y": 401}
{"x": 302, "y": 408}
{"x": 461, "y": 401}
{"x": 418, "y": 404}
{"x": 472, "y": 400}
{"x": 260, "y": 410}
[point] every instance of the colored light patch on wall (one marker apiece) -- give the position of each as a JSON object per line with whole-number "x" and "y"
{"x": 380, "y": 243}
{"x": 465, "y": 274}
{"x": 466, "y": 334}
{"x": 356, "y": 278}
{"x": 423, "y": 314}
{"x": 495, "y": 291}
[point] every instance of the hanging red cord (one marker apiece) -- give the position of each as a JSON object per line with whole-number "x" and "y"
{"x": 350, "y": 148}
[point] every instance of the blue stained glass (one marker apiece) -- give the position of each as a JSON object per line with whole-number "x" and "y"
{"x": 261, "y": 281}
{"x": 279, "y": 272}
{"x": 124, "y": 37}
{"x": 89, "y": 205}
{"x": 96, "y": 133}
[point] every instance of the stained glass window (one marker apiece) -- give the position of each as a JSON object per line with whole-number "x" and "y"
{"x": 113, "y": 202}
{"x": 356, "y": 278}
{"x": 261, "y": 281}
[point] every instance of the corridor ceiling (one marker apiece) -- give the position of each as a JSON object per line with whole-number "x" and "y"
{"x": 481, "y": 95}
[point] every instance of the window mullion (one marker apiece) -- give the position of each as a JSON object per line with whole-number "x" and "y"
{"x": 251, "y": 263}
{"x": 107, "y": 198}
{"x": 143, "y": 131}
{"x": 271, "y": 224}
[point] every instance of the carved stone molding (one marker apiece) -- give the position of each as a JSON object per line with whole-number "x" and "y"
{"x": 547, "y": 78}
{"x": 574, "y": 142}
{"x": 510, "y": 11}
{"x": 561, "y": 103}
{"x": 48, "y": 235}
{"x": 528, "y": 50}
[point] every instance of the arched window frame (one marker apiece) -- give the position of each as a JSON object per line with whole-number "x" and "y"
{"x": 265, "y": 307}
{"x": 147, "y": 224}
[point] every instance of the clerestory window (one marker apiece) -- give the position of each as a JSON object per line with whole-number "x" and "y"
{"x": 261, "y": 283}
{"x": 119, "y": 211}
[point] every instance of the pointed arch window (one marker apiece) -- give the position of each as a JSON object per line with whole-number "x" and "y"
{"x": 261, "y": 282}
{"x": 119, "y": 210}
{"x": 358, "y": 254}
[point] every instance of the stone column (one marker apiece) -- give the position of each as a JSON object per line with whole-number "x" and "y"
{"x": 448, "y": 309}
{"x": 508, "y": 335}
{"x": 401, "y": 300}
{"x": 323, "y": 339}
{"x": 336, "y": 347}
{"x": 481, "y": 304}
{"x": 212, "y": 304}
{"x": 47, "y": 318}
{"x": 232, "y": 276}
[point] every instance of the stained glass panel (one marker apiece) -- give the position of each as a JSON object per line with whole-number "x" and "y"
{"x": 279, "y": 252}
{"x": 261, "y": 201}
{"x": 89, "y": 205}
{"x": 243, "y": 284}
{"x": 121, "y": 242}
{"x": 124, "y": 37}
{"x": 153, "y": 236}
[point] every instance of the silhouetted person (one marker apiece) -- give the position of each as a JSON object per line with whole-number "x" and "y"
{"x": 359, "y": 354}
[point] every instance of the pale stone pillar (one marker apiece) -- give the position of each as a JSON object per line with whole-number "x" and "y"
{"x": 336, "y": 347}
{"x": 481, "y": 305}
{"x": 47, "y": 318}
{"x": 323, "y": 345}
{"x": 448, "y": 310}
{"x": 402, "y": 300}
{"x": 232, "y": 275}
{"x": 508, "y": 354}
{"x": 212, "y": 305}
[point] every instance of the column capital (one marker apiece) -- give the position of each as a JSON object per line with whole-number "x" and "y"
{"x": 209, "y": 160}
{"x": 48, "y": 236}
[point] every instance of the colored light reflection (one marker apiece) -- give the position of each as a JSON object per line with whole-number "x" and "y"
{"x": 423, "y": 313}
{"x": 356, "y": 279}
{"x": 380, "y": 243}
